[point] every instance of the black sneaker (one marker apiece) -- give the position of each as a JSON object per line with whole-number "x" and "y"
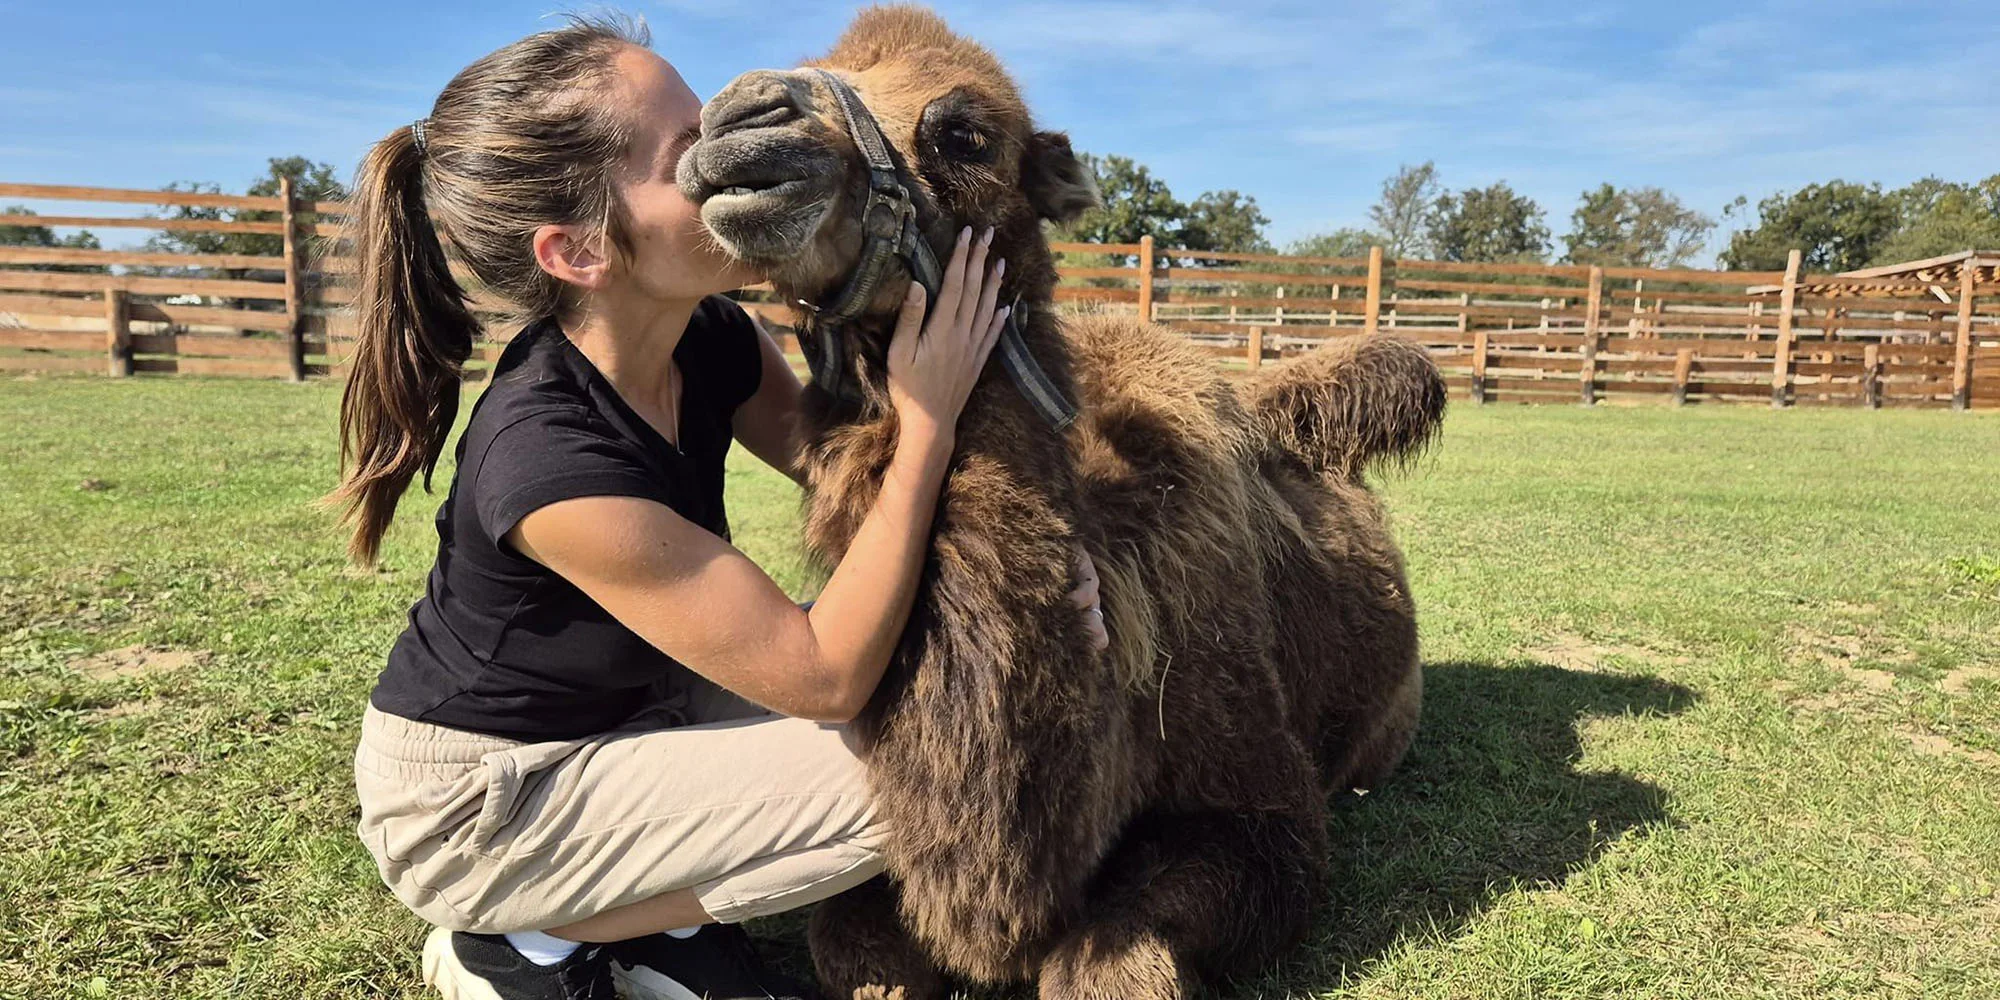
{"x": 485, "y": 967}
{"x": 719, "y": 963}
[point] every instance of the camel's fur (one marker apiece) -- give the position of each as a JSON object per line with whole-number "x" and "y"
{"x": 1117, "y": 824}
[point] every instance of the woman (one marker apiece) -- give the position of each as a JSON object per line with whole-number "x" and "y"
{"x": 606, "y": 736}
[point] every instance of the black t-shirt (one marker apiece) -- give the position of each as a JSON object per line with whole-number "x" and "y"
{"x": 501, "y": 645}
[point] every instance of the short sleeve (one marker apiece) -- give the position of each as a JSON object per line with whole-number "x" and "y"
{"x": 734, "y": 358}
{"x": 551, "y": 455}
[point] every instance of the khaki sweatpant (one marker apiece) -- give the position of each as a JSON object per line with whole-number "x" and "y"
{"x": 756, "y": 812}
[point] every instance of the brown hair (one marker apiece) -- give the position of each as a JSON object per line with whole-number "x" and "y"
{"x": 517, "y": 140}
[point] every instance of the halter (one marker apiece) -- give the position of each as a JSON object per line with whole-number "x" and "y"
{"x": 890, "y": 233}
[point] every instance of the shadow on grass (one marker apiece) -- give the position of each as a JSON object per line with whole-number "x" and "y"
{"x": 1488, "y": 798}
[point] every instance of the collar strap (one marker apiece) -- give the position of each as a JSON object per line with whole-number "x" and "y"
{"x": 890, "y": 234}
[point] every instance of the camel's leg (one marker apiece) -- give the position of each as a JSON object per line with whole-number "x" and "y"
{"x": 1187, "y": 897}
{"x": 861, "y": 951}
{"x": 1364, "y": 758}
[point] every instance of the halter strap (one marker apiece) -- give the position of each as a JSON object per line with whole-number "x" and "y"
{"x": 890, "y": 233}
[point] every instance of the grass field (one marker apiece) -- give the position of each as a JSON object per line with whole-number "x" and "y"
{"x": 1714, "y": 707}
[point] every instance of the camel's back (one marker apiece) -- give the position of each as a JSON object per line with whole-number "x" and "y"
{"x": 1266, "y": 583}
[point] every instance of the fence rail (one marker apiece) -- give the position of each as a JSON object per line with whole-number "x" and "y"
{"x": 1521, "y": 332}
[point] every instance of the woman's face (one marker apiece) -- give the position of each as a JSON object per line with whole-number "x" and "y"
{"x": 672, "y": 255}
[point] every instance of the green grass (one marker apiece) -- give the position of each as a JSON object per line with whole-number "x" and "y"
{"x": 1714, "y": 706}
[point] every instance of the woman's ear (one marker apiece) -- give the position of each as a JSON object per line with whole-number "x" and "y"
{"x": 1056, "y": 182}
{"x": 566, "y": 256}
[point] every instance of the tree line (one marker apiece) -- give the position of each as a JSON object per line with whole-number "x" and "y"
{"x": 1839, "y": 225}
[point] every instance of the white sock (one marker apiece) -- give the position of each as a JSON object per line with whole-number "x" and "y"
{"x": 540, "y": 948}
{"x": 684, "y": 933}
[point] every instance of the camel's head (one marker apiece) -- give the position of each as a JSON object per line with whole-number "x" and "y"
{"x": 782, "y": 183}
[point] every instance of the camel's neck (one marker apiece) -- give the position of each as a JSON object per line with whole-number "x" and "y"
{"x": 862, "y": 356}
{"x": 849, "y": 442}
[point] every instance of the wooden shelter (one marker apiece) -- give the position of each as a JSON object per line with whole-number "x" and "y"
{"x": 1940, "y": 276}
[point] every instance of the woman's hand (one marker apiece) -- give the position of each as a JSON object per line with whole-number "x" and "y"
{"x": 934, "y": 365}
{"x": 1085, "y": 596}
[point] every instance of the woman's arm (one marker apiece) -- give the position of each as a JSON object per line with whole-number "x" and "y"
{"x": 700, "y": 601}
{"x": 768, "y": 422}
{"x": 704, "y": 603}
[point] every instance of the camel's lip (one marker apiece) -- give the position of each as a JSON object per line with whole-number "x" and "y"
{"x": 747, "y": 162}
{"x": 778, "y": 189}
{"x": 771, "y": 225}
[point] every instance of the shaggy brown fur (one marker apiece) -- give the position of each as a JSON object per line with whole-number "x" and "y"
{"x": 1119, "y": 824}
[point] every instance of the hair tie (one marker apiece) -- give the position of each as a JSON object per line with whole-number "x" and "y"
{"x": 417, "y": 129}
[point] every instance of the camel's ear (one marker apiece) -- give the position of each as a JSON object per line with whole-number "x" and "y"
{"x": 1057, "y": 183}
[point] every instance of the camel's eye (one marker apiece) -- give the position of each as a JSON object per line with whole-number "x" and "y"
{"x": 951, "y": 130}
{"x": 961, "y": 140}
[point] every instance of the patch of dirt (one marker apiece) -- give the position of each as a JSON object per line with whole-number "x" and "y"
{"x": 1832, "y": 701}
{"x": 1839, "y": 652}
{"x": 1832, "y": 650}
{"x": 1574, "y": 652}
{"x": 136, "y": 661}
{"x": 1960, "y": 681}
{"x": 1933, "y": 745}
{"x": 1873, "y": 680}
{"x": 128, "y": 709}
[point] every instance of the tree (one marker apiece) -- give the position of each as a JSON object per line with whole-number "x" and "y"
{"x": 1634, "y": 227}
{"x": 1134, "y": 204}
{"x": 1487, "y": 224}
{"x": 1938, "y": 217}
{"x": 1838, "y": 225}
{"x": 17, "y": 235}
{"x": 1224, "y": 220}
{"x": 1346, "y": 242}
{"x": 310, "y": 182}
{"x": 1403, "y": 214}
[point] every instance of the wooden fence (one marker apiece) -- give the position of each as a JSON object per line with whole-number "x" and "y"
{"x": 1502, "y": 332}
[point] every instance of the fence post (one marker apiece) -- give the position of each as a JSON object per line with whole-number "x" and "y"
{"x": 1145, "y": 279}
{"x": 1593, "y": 330}
{"x": 1371, "y": 317}
{"x": 294, "y": 316}
{"x": 1781, "y": 362}
{"x": 1871, "y": 376}
{"x": 1479, "y": 366}
{"x": 117, "y": 334}
{"x": 1961, "y": 355}
{"x": 1255, "y": 357}
{"x": 1683, "y": 367}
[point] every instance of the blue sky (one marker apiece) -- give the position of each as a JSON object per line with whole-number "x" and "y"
{"x": 1305, "y": 105}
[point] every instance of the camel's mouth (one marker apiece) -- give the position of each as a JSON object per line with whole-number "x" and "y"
{"x": 764, "y": 173}
{"x": 759, "y": 196}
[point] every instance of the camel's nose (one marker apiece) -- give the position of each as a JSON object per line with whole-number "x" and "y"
{"x": 757, "y": 99}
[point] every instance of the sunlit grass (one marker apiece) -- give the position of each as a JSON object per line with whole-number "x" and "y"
{"x": 1714, "y": 706}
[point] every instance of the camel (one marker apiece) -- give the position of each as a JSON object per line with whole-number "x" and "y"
{"x": 1122, "y": 824}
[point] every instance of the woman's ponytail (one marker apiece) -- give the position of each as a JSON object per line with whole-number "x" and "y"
{"x": 528, "y": 135}
{"x": 414, "y": 331}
